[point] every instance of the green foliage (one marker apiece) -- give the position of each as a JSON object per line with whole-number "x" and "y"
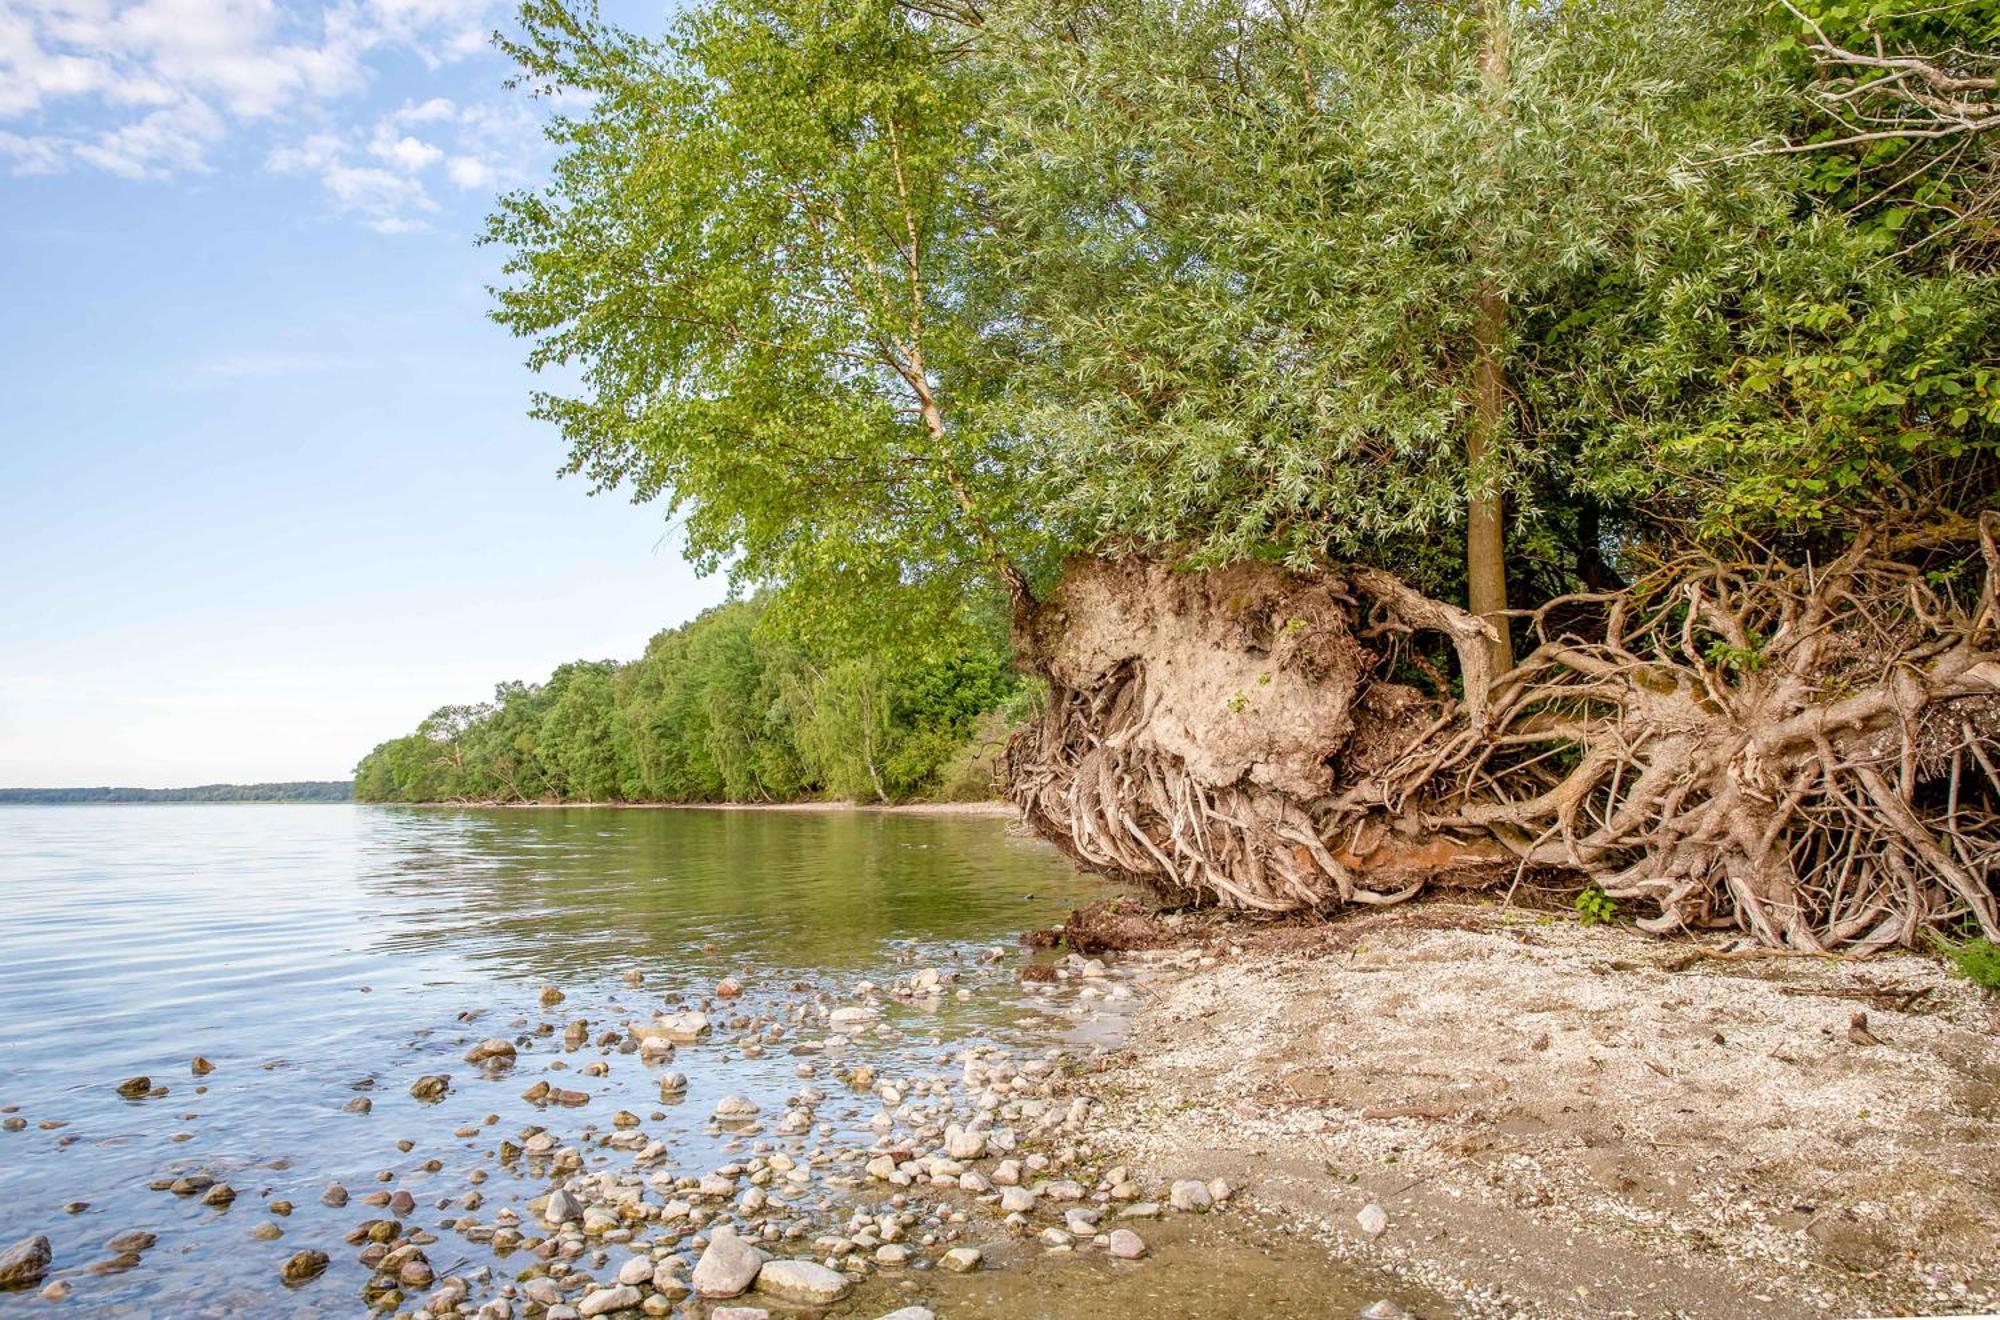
{"x": 1254, "y": 238}
{"x": 1977, "y": 960}
{"x": 757, "y": 253}
{"x": 1594, "y": 907}
{"x": 725, "y": 709}
{"x": 886, "y": 302}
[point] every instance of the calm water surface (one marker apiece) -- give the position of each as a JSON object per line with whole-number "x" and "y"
{"x": 319, "y": 952}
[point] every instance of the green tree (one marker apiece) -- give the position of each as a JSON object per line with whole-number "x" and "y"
{"x": 1286, "y": 260}
{"x": 759, "y": 251}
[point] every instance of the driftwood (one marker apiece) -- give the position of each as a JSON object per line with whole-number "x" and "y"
{"x": 1809, "y": 754}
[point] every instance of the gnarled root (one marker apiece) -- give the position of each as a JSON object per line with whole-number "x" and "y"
{"x": 1805, "y": 754}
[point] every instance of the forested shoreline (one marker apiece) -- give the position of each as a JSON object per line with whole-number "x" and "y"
{"x": 728, "y": 708}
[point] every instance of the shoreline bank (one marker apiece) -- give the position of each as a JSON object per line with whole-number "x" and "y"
{"x": 1532, "y": 1118}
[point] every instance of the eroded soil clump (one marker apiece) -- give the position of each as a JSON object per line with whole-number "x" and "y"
{"x": 1805, "y": 754}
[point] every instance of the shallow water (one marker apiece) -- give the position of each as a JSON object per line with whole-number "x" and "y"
{"x": 317, "y": 953}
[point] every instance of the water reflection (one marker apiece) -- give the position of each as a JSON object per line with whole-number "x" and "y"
{"x": 537, "y": 893}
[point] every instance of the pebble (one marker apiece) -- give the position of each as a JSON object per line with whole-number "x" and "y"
{"x": 962, "y": 1260}
{"x": 739, "y": 1313}
{"x": 431, "y": 1086}
{"x": 1124, "y": 1244}
{"x": 132, "y": 1088}
{"x": 1384, "y": 1310}
{"x": 56, "y": 1292}
{"x": 494, "y": 1049}
{"x": 200, "y": 1066}
{"x": 25, "y": 1261}
{"x": 1373, "y": 1219}
{"x": 561, "y": 1208}
{"x": 907, "y": 1313}
{"x": 736, "y": 1107}
{"x": 1187, "y": 1194}
{"x": 604, "y": 1301}
{"x": 303, "y": 1265}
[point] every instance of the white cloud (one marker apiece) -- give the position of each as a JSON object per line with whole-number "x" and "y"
{"x": 428, "y": 112}
{"x": 389, "y": 199}
{"x": 469, "y": 172}
{"x": 164, "y": 142}
{"x": 145, "y": 88}
{"x": 32, "y": 155}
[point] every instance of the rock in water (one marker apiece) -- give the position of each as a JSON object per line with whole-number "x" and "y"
{"x": 728, "y": 1267}
{"x": 495, "y": 1050}
{"x": 561, "y": 1208}
{"x": 1373, "y": 1219}
{"x": 132, "y": 1088}
{"x": 201, "y": 1066}
{"x": 431, "y": 1086}
{"x": 303, "y": 1266}
{"x": 911, "y": 1313}
{"x": 1384, "y": 1310}
{"x": 961, "y": 1260}
{"x": 1126, "y": 1245}
{"x": 552, "y": 996}
{"x": 24, "y": 1262}
{"x": 606, "y": 1300}
{"x": 739, "y": 1313}
{"x": 806, "y": 1282}
{"x": 734, "y": 1108}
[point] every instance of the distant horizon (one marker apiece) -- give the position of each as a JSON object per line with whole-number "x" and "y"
{"x": 277, "y": 791}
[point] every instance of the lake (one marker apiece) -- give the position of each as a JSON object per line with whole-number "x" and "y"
{"x": 325, "y": 955}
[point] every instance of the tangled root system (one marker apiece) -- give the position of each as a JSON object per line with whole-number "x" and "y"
{"x": 1809, "y": 754}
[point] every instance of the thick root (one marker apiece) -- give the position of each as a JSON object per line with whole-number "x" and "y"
{"x": 1804, "y": 754}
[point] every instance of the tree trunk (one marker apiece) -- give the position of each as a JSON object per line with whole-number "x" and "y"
{"x": 1485, "y": 522}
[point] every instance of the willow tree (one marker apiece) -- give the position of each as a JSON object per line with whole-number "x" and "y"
{"x": 756, "y": 255}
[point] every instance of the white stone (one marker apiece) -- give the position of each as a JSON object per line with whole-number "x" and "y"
{"x": 728, "y": 1267}
{"x": 803, "y": 1281}
{"x": 606, "y": 1300}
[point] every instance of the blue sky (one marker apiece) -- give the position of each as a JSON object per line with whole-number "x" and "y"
{"x": 268, "y": 492}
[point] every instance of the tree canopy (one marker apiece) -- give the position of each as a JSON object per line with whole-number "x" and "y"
{"x": 885, "y": 296}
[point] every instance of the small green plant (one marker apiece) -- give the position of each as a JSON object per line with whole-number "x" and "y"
{"x": 1239, "y": 703}
{"x": 1596, "y": 907}
{"x": 1737, "y": 659}
{"x": 1977, "y": 960}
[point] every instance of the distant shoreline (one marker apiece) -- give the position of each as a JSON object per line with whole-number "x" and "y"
{"x": 990, "y": 808}
{"x": 269, "y": 792}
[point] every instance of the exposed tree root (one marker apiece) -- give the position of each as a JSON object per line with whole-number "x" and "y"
{"x": 1808, "y": 754}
